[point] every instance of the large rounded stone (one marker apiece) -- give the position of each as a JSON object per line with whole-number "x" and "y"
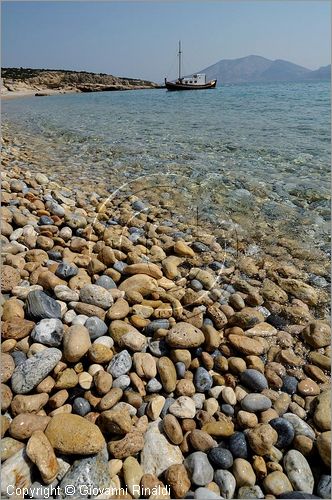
{"x": 74, "y": 435}
{"x": 185, "y": 336}
{"x": 96, "y": 296}
{"x": 298, "y": 471}
{"x": 76, "y": 342}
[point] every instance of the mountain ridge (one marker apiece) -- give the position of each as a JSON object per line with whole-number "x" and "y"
{"x": 256, "y": 69}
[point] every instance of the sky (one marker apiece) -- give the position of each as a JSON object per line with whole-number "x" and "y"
{"x": 139, "y": 39}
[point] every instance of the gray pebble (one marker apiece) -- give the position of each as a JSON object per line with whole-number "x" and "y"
{"x": 254, "y": 380}
{"x": 205, "y": 493}
{"x": 153, "y": 386}
{"x": 120, "y": 364}
{"x": 298, "y": 471}
{"x": 324, "y": 486}
{"x": 158, "y": 348}
{"x": 226, "y": 482}
{"x": 105, "y": 282}
{"x": 81, "y": 406}
{"x": 65, "y": 270}
{"x": 248, "y": 492}
{"x": 300, "y": 427}
{"x": 121, "y": 382}
{"x": 166, "y": 406}
{"x": 32, "y": 371}
{"x": 199, "y": 468}
{"x": 202, "y": 380}
{"x": 255, "y": 402}
{"x": 90, "y": 471}
{"x": 97, "y": 327}
{"x": 48, "y": 332}
{"x": 39, "y": 305}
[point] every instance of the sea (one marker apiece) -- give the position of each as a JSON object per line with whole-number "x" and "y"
{"x": 255, "y": 157}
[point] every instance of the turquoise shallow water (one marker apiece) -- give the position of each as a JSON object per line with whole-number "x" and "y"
{"x": 258, "y": 155}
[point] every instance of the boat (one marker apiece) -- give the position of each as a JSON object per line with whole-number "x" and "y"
{"x": 194, "y": 82}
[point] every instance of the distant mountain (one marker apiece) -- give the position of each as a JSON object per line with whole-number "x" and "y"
{"x": 259, "y": 69}
{"x": 322, "y": 73}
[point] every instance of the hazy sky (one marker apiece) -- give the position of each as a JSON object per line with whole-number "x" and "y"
{"x": 139, "y": 39}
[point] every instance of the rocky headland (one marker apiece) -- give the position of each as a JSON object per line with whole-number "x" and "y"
{"x": 22, "y": 81}
{"x": 137, "y": 355}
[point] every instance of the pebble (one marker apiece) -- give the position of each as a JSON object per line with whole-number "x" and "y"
{"x": 238, "y": 445}
{"x": 158, "y": 454}
{"x": 16, "y": 472}
{"x": 76, "y": 343}
{"x": 261, "y": 438}
{"x": 184, "y": 335}
{"x": 248, "y": 492}
{"x": 289, "y": 384}
{"x": 121, "y": 382}
{"x": 324, "y": 486}
{"x": 254, "y": 380}
{"x": 74, "y": 435}
{"x": 199, "y": 468}
{"x": 298, "y": 471}
{"x": 277, "y": 483}
{"x": 48, "y": 332}
{"x": 285, "y": 432}
{"x": 88, "y": 471}
{"x": 81, "y": 406}
{"x": 183, "y": 407}
{"x": 96, "y": 296}
{"x": 31, "y": 372}
{"x": 65, "y": 270}
{"x": 39, "y": 306}
{"x": 220, "y": 458}
{"x": 106, "y": 282}
{"x": 255, "y": 403}
{"x": 202, "y": 380}
{"x": 317, "y": 334}
{"x": 120, "y": 364}
{"x": 226, "y": 482}
{"x": 243, "y": 473}
{"x": 96, "y": 327}
{"x": 324, "y": 447}
{"x": 300, "y": 427}
{"x": 41, "y": 453}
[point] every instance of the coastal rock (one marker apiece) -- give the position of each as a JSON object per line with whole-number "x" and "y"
{"x": 243, "y": 473}
{"x": 167, "y": 373}
{"x": 7, "y": 367}
{"x": 22, "y": 426}
{"x": 17, "y": 328}
{"x": 177, "y": 478}
{"x": 158, "y": 454}
{"x": 298, "y": 471}
{"x": 277, "y": 483}
{"x": 132, "y": 474}
{"x": 300, "y": 290}
{"x": 255, "y": 402}
{"x": 130, "y": 445}
{"x": 300, "y": 427}
{"x": 8, "y": 447}
{"x": 141, "y": 283}
{"x": 31, "y": 372}
{"x": 247, "y": 345}
{"x": 262, "y": 438}
{"x": 254, "y": 380}
{"x": 183, "y": 407}
{"x": 10, "y": 277}
{"x": 120, "y": 364}
{"x": 285, "y": 432}
{"x": 74, "y": 435}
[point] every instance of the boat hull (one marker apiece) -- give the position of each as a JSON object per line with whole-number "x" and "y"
{"x": 183, "y": 86}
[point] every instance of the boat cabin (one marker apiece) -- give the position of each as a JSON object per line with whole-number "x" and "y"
{"x": 198, "y": 79}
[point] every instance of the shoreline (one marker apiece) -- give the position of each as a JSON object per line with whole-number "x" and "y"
{"x": 126, "y": 331}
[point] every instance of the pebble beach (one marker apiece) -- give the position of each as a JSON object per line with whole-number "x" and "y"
{"x": 145, "y": 355}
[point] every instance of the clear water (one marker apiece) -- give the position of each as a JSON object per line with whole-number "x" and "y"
{"x": 258, "y": 155}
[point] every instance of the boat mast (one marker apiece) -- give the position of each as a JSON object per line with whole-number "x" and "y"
{"x": 180, "y": 60}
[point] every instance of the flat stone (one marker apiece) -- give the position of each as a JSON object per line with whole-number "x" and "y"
{"x": 17, "y": 328}
{"x": 298, "y": 471}
{"x": 71, "y": 434}
{"x": 48, "y": 332}
{"x": 39, "y": 306}
{"x": 247, "y": 345}
{"x": 141, "y": 283}
{"x": 31, "y": 372}
{"x": 317, "y": 334}
{"x": 158, "y": 453}
{"x": 255, "y": 403}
